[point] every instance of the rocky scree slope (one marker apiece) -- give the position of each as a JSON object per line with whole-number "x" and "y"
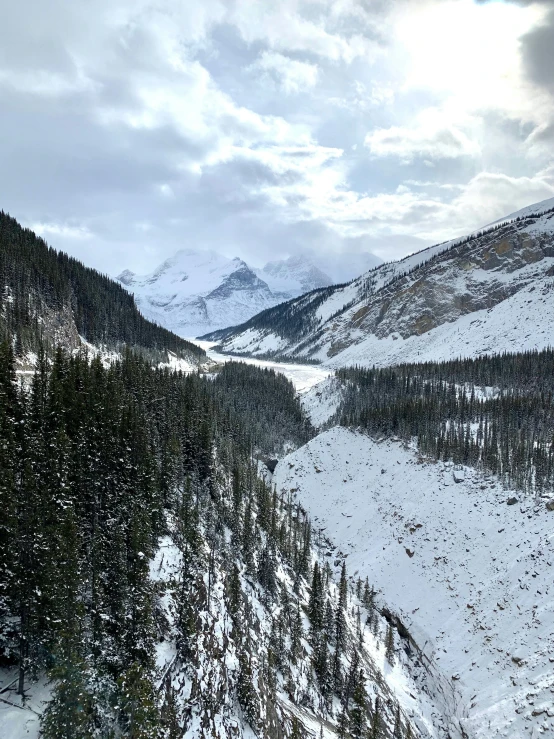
{"x": 489, "y": 292}
{"x": 468, "y": 576}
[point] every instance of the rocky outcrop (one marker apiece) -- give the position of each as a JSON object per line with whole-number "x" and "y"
{"x": 466, "y": 279}
{"x": 408, "y": 300}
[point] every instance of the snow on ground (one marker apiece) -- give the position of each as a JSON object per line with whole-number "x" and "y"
{"x": 165, "y": 568}
{"x": 520, "y": 323}
{"x": 18, "y": 720}
{"x": 470, "y": 576}
{"x": 177, "y": 364}
{"x": 302, "y": 376}
{"x": 321, "y": 401}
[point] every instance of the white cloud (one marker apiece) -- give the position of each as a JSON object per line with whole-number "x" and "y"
{"x": 151, "y": 112}
{"x": 62, "y": 230}
{"x": 430, "y": 137}
{"x": 301, "y": 26}
{"x": 290, "y": 75}
{"x": 41, "y": 82}
{"x": 490, "y": 195}
{"x": 466, "y": 52}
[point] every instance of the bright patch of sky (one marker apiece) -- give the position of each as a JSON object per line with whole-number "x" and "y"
{"x": 132, "y": 129}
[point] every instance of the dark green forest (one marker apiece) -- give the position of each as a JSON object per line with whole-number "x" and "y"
{"x": 36, "y": 280}
{"x": 508, "y": 431}
{"x": 98, "y": 465}
{"x": 293, "y": 320}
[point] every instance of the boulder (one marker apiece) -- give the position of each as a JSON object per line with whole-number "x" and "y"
{"x": 459, "y": 474}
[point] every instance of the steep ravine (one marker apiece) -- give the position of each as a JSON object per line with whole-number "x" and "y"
{"x": 469, "y": 577}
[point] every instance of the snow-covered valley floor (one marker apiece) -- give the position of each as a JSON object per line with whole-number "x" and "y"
{"x": 302, "y": 376}
{"x": 471, "y": 577}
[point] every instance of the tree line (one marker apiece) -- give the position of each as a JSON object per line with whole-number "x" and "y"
{"x": 36, "y": 280}
{"x": 496, "y": 413}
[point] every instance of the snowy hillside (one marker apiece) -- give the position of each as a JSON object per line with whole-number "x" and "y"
{"x": 469, "y": 576}
{"x": 489, "y": 292}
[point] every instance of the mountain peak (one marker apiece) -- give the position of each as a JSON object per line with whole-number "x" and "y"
{"x": 126, "y": 277}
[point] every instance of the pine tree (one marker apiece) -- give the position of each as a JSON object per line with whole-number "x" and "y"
{"x": 315, "y": 605}
{"x": 296, "y": 635}
{"x": 70, "y": 712}
{"x": 343, "y": 724}
{"x": 389, "y": 645}
{"x": 169, "y": 715}
{"x": 246, "y": 692}
{"x": 295, "y": 732}
{"x": 139, "y": 715}
{"x": 10, "y": 423}
{"x": 358, "y": 712}
{"x": 376, "y": 730}
{"x": 397, "y": 731}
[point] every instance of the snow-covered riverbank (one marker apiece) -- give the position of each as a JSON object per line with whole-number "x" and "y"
{"x": 302, "y": 376}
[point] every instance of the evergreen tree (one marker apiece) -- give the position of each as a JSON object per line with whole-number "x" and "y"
{"x": 139, "y": 717}
{"x": 389, "y": 645}
{"x": 358, "y": 712}
{"x": 315, "y": 606}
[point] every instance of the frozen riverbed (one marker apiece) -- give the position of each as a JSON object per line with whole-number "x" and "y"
{"x": 302, "y": 376}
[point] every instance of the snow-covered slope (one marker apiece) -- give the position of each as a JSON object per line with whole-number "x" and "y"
{"x": 489, "y": 292}
{"x": 470, "y": 577}
{"x": 289, "y": 278}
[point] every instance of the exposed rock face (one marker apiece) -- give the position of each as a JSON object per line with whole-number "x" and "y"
{"x": 471, "y": 277}
{"x": 421, "y": 308}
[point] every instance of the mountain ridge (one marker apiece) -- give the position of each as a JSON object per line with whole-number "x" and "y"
{"x": 195, "y": 292}
{"x": 50, "y": 298}
{"x": 411, "y": 309}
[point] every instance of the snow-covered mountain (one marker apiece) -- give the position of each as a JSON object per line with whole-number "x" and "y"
{"x": 194, "y": 292}
{"x": 489, "y": 292}
{"x": 289, "y": 278}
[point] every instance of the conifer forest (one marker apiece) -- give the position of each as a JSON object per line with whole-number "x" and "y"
{"x": 101, "y": 465}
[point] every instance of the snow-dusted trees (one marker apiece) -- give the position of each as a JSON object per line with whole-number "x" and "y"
{"x": 98, "y": 463}
{"x": 40, "y": 282}
{"x": 492, "y": 412}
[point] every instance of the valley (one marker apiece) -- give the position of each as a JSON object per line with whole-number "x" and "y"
{"x": 303, "y": 376}
{"x": 468, "y": 575}
{"x": 291, "y": 552}
{"x": 489, "y": 292}
{"x": 277, "y": 369}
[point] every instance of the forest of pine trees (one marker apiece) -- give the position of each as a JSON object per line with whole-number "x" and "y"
{"x": 102, "y": 463}
{"x": 35, "y": 278}
{"x": 507, "y": 430}
{"x": 291, "y": 320}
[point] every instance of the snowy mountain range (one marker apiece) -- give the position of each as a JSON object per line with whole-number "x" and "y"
{"x": 489, "y": 292}
{"x": 194, "y": 292}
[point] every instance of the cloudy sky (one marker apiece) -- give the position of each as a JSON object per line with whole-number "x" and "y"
{"x": 264, "y": 128}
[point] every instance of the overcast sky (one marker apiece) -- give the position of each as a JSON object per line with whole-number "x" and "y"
{"x": 263, "y": 128}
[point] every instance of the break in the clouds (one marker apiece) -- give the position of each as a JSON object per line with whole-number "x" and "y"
{"x": 131, "y": 128}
